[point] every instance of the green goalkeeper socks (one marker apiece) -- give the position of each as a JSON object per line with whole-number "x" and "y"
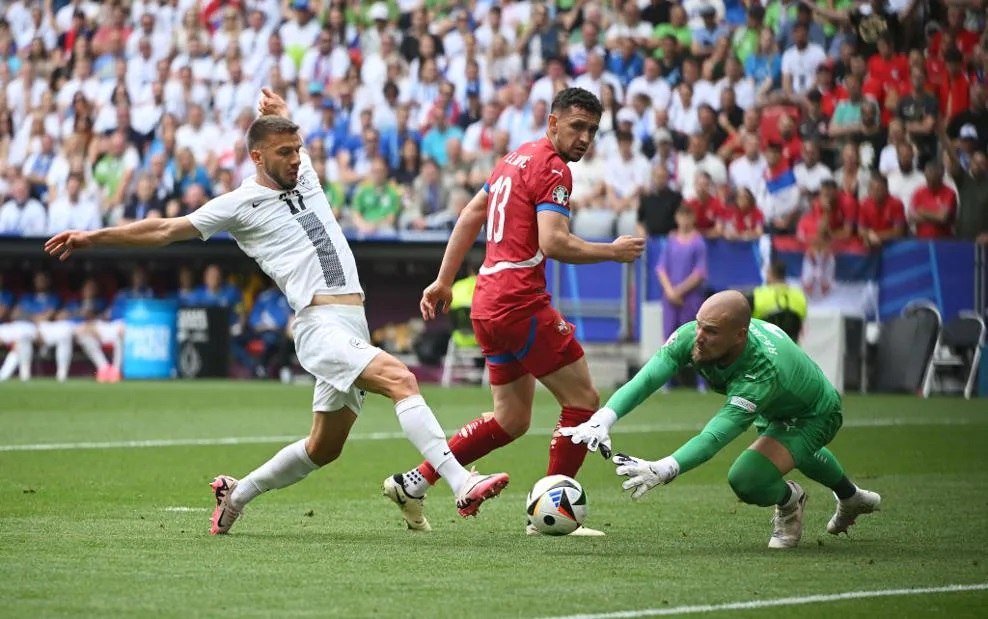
{"x": 824, "y": 468}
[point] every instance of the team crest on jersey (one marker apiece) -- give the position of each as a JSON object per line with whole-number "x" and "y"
{"x": 358, "y": 343}
{"x": 560, "y": 195}
{"x": 302, "y": 181}
{"x": 563, "y": 327}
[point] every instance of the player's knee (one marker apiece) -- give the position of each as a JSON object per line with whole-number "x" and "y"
{"x": 751, "y": 477}
{"x": 402, "y": 384}
{"x": 514, "y": 425}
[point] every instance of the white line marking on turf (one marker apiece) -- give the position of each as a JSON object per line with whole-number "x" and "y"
{"x": 182, "y": 509}
{"x": 791, "y": 601}
{"x": 382, "y": 436}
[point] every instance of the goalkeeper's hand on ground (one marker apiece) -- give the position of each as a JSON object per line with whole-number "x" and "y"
{"x": 643, "y": 475}
{"x": 594, "y": 432}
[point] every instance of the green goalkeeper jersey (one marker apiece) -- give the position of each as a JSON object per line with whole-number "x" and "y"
{"x": 772, "y": 380}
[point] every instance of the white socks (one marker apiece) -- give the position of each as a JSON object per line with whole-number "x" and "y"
{"x": 9, "y": 364}
{"x": 63, "y": 357}
{"x": 90, "y": 345}
{"x": 422, "y": 429}
{"x": 288, "y": 466}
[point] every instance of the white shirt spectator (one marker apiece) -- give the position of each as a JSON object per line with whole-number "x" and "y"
{"x": 82, "y": 214}
{"x": 588, "y": 174}
{"x": 744, "y": 92}
{"x": 89, "y": 87}
{"x": 688, "y": 167}
{"x": 683, "y": 119}
{"x": 141, "y": 71}
{"x": 161, "y": 43}
{"x": 292, "y": 33}
{"x": 809, "y": 179}
{"x": 270, "y": 8}
{"x": 801, "y": 65}
{"x": 63, "y": 17}
{"x": 203, "y": 67}
{"x": 231, "y": 98}
{"x": 588, "y": 82}
{"x": 177, "y": 99}
{"x": 202, "y": 141}
{"x": 324, "y": 69}
{"x": 903, "y": 186}
{"x": 743, "y": 172}
{"x": 44, "y": 31}
{"x": 658, "y": 91}
{"x": 254, "y": 43}
{"x": 28, "y": 219}
{"x": 516, "y": 122}
{"x": 705, "y": 91}
{"x": 641, "y": 30}
{"x": 544, "y": 89}
{"x": 259, "y": 68}
{"x": 694, "y": 7}
{"x": 15, "y": 96}
{"x": 484, "y": 36}
{"x": 18, "y": 16}
{"x": 626, "y": 177}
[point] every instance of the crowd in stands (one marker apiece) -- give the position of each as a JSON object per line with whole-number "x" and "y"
{"x": 838, "y": 121}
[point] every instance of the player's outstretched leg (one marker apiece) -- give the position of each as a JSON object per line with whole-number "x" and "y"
{"x": 757, "y": 481}
{"x": 852, "y": 501}
{"x": 224, "y": 515}
{"x": 470, "y": 443}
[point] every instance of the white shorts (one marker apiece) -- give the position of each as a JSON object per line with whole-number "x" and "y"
{"x": 108, "y": 331}
{"x": 56, "y": 331}
{"x": 12, "y": 332}
{"x": 332, "y": 343}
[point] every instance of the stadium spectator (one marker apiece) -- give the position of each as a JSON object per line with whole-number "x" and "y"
{"x": 831, "y": 210}
{"x": 657, "y": 207}
{"x": 972, "y": 193}
{"x": 881, "y": 217}
{"x": 906, "y": 179}
{"x": 85, "y": 315}
{"x": 933, "y": 207}
{"x": 628, "y": 177}
{"x": 427, "y": 206}
{"x": 778, "y": 194}
{"x": 973, "y": 122}
{"x": 779, "y": 303}
{"x": 434, "y": 140}
{"x": 682, "y": 271}
{"x": 747, "y": 171}
{"x": 268, "y": 324}
{"x": 74, "y": 209}
{"x": 800, "y": 62}
{"x": 919, "y": 110}
{"x": 592, "y": 217}
{"x": 764, "y": 66}
{"x": 697, "y": 159}
{"x": 852, "y": 177}
{"x": 651, "y": 83}
{"x": 742, "y": 220}
{"x": 34, "y": 319}
{"x": 185, "y": 171}
{"x": 376, "y": 204}
{"x": 810, "y": 172}
{"x": 22, "y": 215}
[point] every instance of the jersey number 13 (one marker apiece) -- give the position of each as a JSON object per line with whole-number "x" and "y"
{"x": 500, "y": 191}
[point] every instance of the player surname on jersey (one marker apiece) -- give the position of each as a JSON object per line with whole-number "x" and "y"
{"x": 520, "y": 161}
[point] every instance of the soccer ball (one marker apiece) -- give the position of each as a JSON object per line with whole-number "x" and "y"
{"x": 556, "y": 505}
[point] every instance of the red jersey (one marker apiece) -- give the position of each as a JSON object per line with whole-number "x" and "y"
{"x": 894, "y": 69}
{"x": 741, "y": 221}
{"x": 955, "y": 95}
{"x": 533, "y": 178}
{"x": 881, "y": 218}
{"x": 830, "y": 98}
{"x": 707, "y": 211}
{"x": 927, "y": 200}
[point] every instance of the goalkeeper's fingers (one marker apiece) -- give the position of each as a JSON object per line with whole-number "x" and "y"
{"x": 640, "y": 491}
{"x": 569, "y": 431}
{"x": 605, "y": 450}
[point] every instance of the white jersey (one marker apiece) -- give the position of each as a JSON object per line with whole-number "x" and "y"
{"x": 291, "y": 234}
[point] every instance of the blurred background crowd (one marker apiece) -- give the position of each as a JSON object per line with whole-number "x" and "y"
{"x": 839, "y": 123}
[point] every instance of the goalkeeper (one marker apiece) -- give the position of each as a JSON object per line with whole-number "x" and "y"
{"x": 768, "y": 381}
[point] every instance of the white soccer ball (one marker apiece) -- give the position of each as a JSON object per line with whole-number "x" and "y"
{"x": 556, "y": 505}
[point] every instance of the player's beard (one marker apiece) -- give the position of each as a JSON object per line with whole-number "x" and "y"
{"x": 280, "y": 180}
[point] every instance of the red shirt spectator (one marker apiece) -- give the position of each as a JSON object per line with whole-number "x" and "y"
{"x": 888, "y": 67}
{"x": 708, "y": 211}
{"x": 955, "y": 89}
{"x": 881, "y": 216}
{"x": 743, "y": 221}
{"x": 934, "y": 206}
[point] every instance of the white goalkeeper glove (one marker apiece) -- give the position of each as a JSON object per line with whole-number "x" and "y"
{"x": 594, "y": 432}
{"x": 643, "y": 475}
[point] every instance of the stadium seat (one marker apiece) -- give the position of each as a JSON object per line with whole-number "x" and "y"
{"x": 463, "y": 359}
{"x": 958, "y": 355}
{"x": 904, "y": 359}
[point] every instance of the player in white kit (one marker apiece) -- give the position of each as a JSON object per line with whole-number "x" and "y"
{"x": 281, "y": 218}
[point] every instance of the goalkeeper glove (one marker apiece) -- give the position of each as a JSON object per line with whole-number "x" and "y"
{"x": 643, "y": 475}
{"x": 594, "y": 432}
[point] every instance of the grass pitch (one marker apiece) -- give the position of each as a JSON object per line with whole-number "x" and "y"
{"x": 104, "y": 510}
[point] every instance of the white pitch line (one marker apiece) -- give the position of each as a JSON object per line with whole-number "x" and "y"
{"x": 790, "y": 601}
{"x": 383, "y": 436}
{"x": 183, "y": 509}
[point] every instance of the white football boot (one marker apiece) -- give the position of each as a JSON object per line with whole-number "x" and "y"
{"x": 863, "y": 502}
{"x": 412, "y": 509}
{"x": 787, "y": 524}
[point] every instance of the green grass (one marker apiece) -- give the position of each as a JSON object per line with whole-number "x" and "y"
{"x": 85, "y": 532}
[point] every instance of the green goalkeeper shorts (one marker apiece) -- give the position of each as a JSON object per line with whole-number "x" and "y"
{"x": 802, "y": 436}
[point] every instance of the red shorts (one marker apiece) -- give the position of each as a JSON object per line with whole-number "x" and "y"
{"x": 538, "y": 345}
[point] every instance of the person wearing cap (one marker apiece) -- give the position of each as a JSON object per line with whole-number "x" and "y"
{"x": 972, "y": 192}
{"x": 976, "y": 116}
{"x": 705, "y": 37}
{"x": 300, "y": 33}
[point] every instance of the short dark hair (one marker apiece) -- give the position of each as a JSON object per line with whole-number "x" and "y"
{"x": 263, "y": 126}
{"x": 576, "y": 97}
